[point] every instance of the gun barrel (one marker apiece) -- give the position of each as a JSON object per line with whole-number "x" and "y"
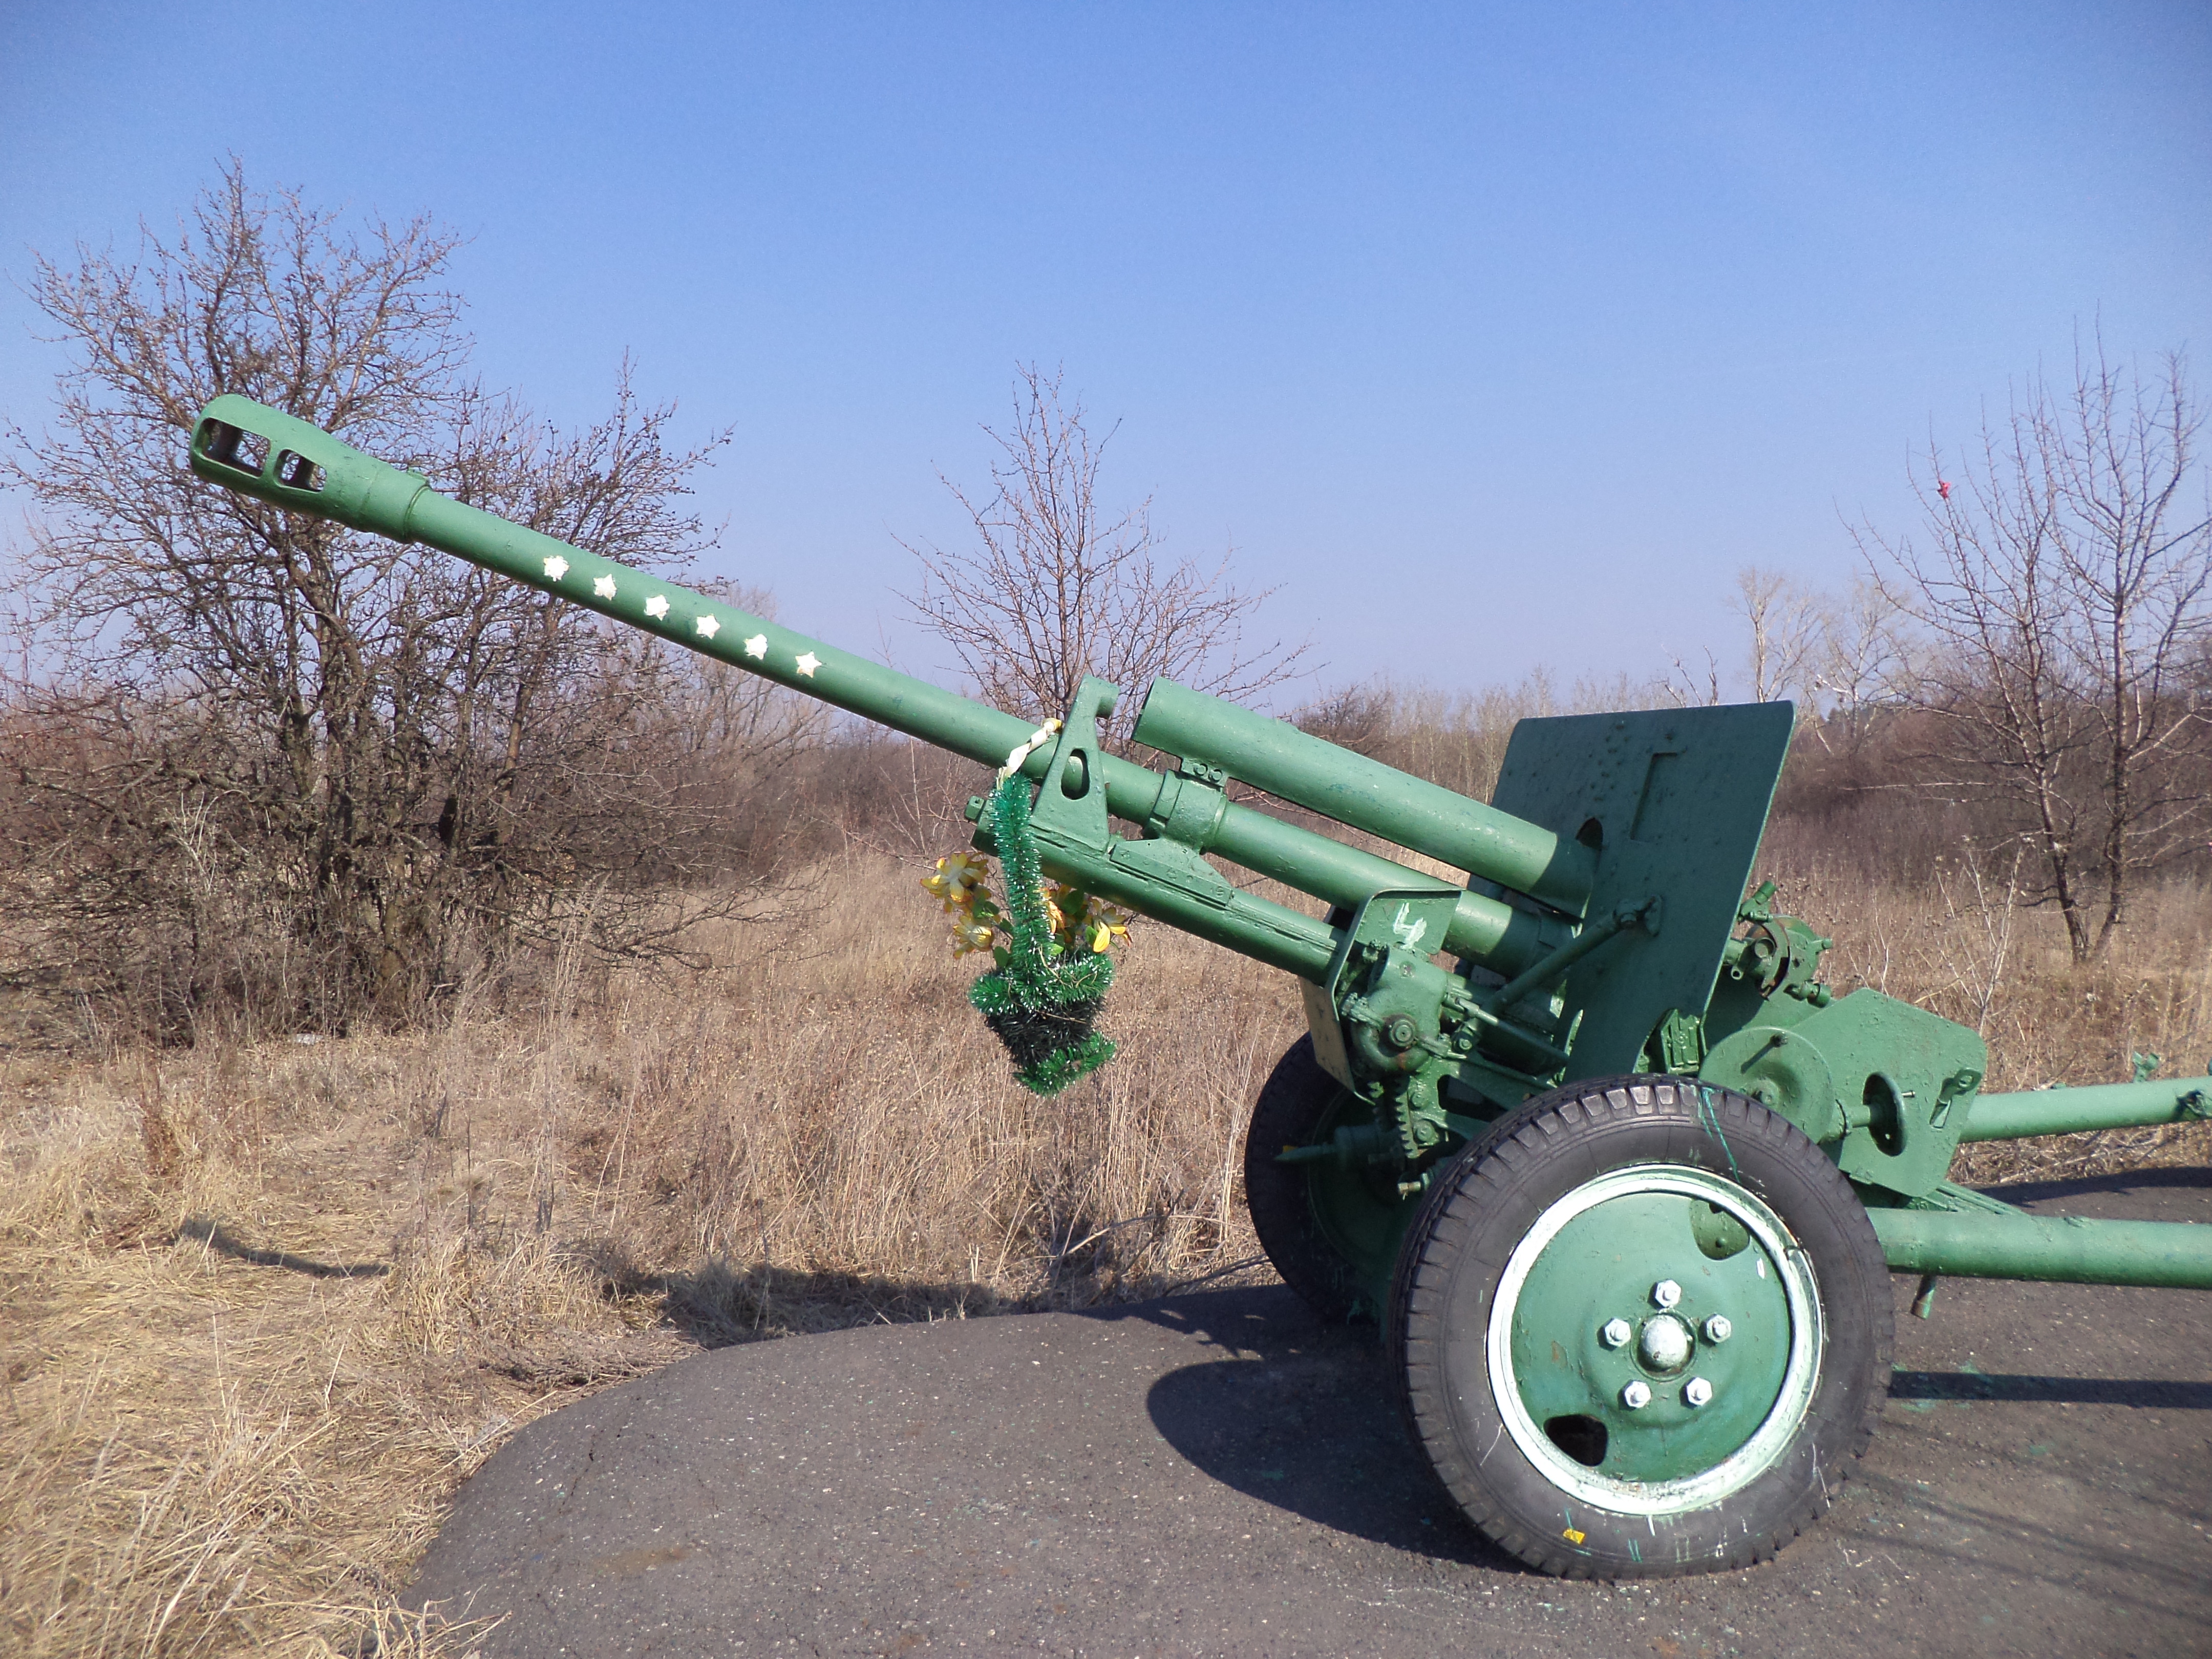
{"x": 1350, "y": 788}
{"x": 279, "y": 459}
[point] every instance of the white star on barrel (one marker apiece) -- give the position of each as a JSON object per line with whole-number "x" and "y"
{"x": 708, "y": 627}
{"x": 605, "y": 588}
{"x": 757, "y": 645}
{"x": 807, "y": 664}
{"x": 657, "y": 606}
{"x": 555, "y": 567}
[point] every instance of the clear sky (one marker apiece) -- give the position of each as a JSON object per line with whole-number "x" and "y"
{"x": 1498, "y": 337}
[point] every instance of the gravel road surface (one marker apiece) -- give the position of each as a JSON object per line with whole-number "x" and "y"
{"x": 1214, "y": 1473}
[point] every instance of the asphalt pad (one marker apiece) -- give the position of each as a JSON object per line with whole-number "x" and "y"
{"x": 1216, "y": 1473}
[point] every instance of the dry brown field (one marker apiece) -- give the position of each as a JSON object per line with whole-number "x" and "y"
{"x": 267, "y": 1304}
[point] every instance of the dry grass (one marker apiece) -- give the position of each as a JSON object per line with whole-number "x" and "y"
{"x": 267, "y": 1306}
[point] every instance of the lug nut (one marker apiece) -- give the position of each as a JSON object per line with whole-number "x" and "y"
{"x": 1616, "y": 1334}
{"x": 1666, "y": 1293}
{"x": 1717, "y": 1328}
{"x": 1637, "y": 1396}
{"x": 1697, "y": 1391}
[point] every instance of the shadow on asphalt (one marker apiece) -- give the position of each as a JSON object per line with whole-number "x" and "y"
{"x": 1301, "y": 1417}
{"x": 2064, "y": 1390}
{"x": 2039, "y": 1192}
{"x": 723, "y": 1305}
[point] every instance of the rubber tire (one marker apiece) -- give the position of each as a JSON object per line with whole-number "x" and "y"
{"x": 1297, "y": 1097}
{"x": 1478, "y": 1209}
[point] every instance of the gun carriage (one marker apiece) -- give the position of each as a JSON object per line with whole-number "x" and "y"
{"x": 1621, "y": 1177}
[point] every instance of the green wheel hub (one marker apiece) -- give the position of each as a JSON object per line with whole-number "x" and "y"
{"x": 1356, "y": 1205}
{"x": 1655, "y": 1339}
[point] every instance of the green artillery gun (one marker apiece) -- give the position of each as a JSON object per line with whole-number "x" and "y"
{"x": 1622, "y": 1179}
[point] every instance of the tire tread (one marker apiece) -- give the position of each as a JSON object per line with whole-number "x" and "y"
{"x": 1470, "y": 1187}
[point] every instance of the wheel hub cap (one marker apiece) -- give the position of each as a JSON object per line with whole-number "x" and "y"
{"x": 1623, "y": 1423}
{"x": 1666, "y": 1344}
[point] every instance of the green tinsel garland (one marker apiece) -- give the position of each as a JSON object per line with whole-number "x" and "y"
{"x": 1041, "y": 1000}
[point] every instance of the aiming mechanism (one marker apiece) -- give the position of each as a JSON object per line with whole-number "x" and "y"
{"x": 1622, "y": 1176}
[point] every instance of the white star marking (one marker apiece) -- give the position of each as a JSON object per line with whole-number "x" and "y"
{"x": 807, "y": 664}
{"x": 657, "y": 606}
{"x": 557, "y": 566}
{"x": 708, "y": 627}
{"x": 605, "y": 588}
{"x": 757, "y": 645}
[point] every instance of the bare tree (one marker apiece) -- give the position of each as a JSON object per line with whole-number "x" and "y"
{"x": 1786, "y": 624}
{"x": 1688, "y": 686}
{"x": 1058, "y": 586}
{"x": 1860, "y": 659}
{"x": 383, "y": 757}
{"x": 2061, "y": 594}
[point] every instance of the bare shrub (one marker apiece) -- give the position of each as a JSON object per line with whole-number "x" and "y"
{"x": 1786, "y": 627}
{"x": 268, "y": 769}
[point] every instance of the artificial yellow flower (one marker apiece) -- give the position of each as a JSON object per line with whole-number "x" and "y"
{"x": 1090, "y": 924}
{"x": 958, "y": 876}
{"x": 1077, "y": 919}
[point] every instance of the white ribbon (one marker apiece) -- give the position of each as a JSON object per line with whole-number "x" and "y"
{"x": 1038, "y": 738}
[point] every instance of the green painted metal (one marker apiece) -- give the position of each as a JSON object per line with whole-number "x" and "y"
{"x": 1398, "y": 1027}
{"x": 2057, "y": 1249}
{"x": 1596, "y": 933}
{"x": 1481, "y": 928}
{"x": 366, "y": 494}
{"x": 1355, "y": 1199}
{"x": 1606, "y": 1251}
{"x": 1600, "y": 1268}
{"x": 2107, "y": 1106}
{"x": 1880, "y": 1082}
{"x": 1324, "y": 778}
{"x": 1159, "y": 878}
{"x": 1674, "y": 802}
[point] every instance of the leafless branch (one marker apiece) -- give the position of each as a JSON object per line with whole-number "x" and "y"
{"x": 1055, "y": 586}
{"x": 2060, "y": 593}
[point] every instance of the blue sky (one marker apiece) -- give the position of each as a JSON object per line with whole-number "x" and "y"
{"x": 1498, "y": 337}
